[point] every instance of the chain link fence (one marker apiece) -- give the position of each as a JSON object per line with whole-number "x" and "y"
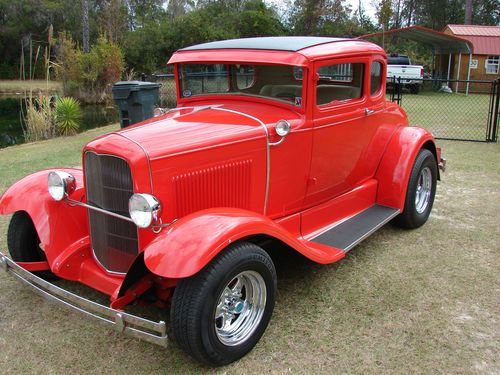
{"x": 168, "y": 96}
{"x": 450, "y": 109}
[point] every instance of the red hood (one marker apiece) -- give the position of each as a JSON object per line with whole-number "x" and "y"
{"x": 193, "y": 128}
{"x": 185, "y": 130}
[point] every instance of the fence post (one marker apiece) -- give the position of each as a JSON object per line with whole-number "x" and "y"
{"x": 393, "y": 79}
{"x": 400, "y": 89}
{"x": 496, "y": 110}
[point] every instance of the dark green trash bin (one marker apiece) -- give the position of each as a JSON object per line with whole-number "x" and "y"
{"x": 136, "y": 100}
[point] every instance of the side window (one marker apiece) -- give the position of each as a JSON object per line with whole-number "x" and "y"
{"x": 375, "y": 77}
{"x": 339, "y": 83}
{"x": 491, "y": 64}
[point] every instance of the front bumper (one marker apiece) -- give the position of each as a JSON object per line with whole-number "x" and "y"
{"x": 131, "y": 325}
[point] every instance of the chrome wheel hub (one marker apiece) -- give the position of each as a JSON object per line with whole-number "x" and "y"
{"x": 424, "y": 188}
{"x": 240, "y": 308}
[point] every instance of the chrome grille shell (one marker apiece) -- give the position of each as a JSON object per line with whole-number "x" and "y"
{"x": 109, "y": 186}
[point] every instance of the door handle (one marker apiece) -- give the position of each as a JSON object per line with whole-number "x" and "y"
{"x": 369, "y": 112}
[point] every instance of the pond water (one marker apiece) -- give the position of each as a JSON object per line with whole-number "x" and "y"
{"x": 11, "y": 132}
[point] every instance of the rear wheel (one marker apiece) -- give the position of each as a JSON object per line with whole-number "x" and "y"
{"x": 219, "y": 314}
{"x": 24, "y": 244}
{"x": 420, "y": 192}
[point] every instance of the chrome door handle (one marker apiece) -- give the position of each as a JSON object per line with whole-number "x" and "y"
{"x": 369, "y": 112}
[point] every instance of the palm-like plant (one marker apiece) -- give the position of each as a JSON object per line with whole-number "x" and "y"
{"x": 68, "y": 115}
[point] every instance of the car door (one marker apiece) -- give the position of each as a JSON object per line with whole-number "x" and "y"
{"x": 344, "y": 126}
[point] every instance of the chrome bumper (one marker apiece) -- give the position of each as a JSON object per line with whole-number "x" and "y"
{"x": 131, "y": 325}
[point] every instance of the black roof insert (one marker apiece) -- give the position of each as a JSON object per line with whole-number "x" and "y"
{"x": 276, "y": 43}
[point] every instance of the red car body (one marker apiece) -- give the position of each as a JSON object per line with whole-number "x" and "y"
{"x": 223, "y": 174}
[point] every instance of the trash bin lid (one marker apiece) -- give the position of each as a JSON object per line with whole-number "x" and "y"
{"x": 121, "y": 90}
{"x": 135, "y": 85}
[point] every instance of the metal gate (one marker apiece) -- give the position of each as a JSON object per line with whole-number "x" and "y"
{"x": 450, "y": 109}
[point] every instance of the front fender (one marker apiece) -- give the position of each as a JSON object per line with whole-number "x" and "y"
{"x": 192, "y": 242}
{"x": 58, "y": 224}
{"x": 395, "y": 167}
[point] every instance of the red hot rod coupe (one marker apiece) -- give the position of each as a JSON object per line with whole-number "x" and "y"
{"x": 276, "y": 143}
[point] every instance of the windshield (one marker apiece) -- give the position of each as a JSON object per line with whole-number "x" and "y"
{"x": 278, "y": 82}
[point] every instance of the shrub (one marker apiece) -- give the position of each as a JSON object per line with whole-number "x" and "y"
{"x": 68, "y": 115}
{"x": 38, "y": 118}
{"x": 89, "y": 76}
{"x": 68, "y": 57}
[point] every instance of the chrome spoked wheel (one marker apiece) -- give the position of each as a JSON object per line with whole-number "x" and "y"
{"x": 240, "y": 308}
{"x": 424, "y": 189}
{"x": 220, "y": 313}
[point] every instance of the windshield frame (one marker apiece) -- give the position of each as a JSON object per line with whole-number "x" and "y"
{"x": 239, "y": 95}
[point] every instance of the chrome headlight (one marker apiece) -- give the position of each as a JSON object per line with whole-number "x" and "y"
{"x": 144, "y": 209}
{"x": 283, "y": 127}
{"x": 60, "y": 184}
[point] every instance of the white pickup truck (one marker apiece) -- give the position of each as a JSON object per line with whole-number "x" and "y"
{"x": 411, "y": 75}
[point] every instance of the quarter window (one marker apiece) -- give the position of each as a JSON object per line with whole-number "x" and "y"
{"x": 339, "y": 83}
{"x": 375, "y": 77}
{"x": 492, "y": 63}
{"x": 245, "y": 75}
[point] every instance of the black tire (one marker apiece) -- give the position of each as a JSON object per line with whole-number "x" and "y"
{"x": 24, "y": 244}
{"x": 415, "y": 214}
{"x": 195, "y": 305}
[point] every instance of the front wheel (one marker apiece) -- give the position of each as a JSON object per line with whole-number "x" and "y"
{"x": 219, "y": 314}
{"x": 420, "y": 192}
{"x": 23, "y": 243}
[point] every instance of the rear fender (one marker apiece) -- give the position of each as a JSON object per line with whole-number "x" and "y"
{"x": 58, "y": 224}
{"x": 395, "y": 167}
{"x": 193, "y": 241}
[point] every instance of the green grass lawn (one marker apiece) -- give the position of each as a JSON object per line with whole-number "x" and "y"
{"x": 13, "y": 87}
{"x": 449, "y": 115}
{"x": 425, "y": 301}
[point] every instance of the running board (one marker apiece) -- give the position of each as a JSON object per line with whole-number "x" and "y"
{"x": 349, "y": 233}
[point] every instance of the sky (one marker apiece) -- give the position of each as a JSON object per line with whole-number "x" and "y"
{"x": 367, "y": 5}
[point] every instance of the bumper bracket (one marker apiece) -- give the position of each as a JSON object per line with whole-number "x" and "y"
{"x": 131, "y": 325}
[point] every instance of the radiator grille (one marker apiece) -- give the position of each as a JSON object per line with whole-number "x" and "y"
{"x": 109, "y": 186}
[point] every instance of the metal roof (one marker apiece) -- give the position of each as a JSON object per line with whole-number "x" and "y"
{"x": 477, "y": 30}
{"x": 440, "y": 42}
{"x": 485, "y": 40}
{"x": 277, "y": 43}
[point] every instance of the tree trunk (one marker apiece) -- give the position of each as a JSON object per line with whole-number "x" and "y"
{"x": 468, "y": 12}
{"x": 85, "y": 23}
{"x": 398, "y": 15}
{"x": 410, "y": 12}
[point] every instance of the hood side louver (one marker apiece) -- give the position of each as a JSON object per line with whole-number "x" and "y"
{"x": 223, "y": 185}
